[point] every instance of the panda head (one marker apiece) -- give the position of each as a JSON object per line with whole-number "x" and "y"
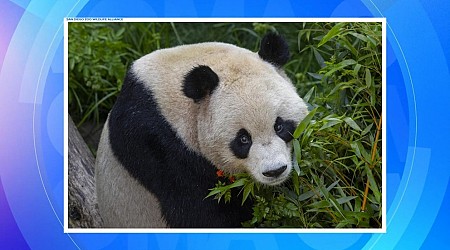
{"x": 247, "y": 111}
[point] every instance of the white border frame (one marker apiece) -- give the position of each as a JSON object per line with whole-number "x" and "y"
{"x": 216, "y": 230}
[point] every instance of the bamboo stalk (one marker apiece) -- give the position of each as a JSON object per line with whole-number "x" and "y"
{"x": 374, "y": 150}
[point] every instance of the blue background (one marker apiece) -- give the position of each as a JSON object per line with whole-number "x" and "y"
{"x": 31, "y": 123}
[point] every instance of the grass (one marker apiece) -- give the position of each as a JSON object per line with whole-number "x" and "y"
{"x": 337, "y": 69}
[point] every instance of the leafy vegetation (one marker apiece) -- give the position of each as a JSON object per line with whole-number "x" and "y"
{"x": 337, "y": 69}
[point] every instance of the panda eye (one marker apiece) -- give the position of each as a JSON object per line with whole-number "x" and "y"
{"x": 244, "y": 139}
{"x": 241, "y": 144}
{"x": 284, "y": 128}
{"x": 278, "y": 127}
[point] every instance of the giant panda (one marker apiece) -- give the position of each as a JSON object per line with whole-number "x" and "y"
{"x": 182, "y": 114}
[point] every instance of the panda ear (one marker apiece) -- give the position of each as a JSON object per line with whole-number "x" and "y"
{"x": 274, "y": 49}
{"x": 200, "y": 82}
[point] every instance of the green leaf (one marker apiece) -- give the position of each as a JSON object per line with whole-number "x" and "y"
{"x": 226, "y": 195}
{"x": 336, "y": 205}
{"x": 364, "y": 153}
{"x": 214, "y": 191}
{"x": 332, "y": 185}
{"x": 359, "y": 36}
{"x": 317, "y": 206}
{"x": 71, "y": 64}
{"x": 349, "y": 46}
{"x": 297, "y": 153}
{"x": 306, "y": 135}
{"x": 237, "y": 183}
{"x": 321, "y": 204}
{"x": 356, "y": 69}
{"x": 304, "y": 123}
{"x": 319, "y": 58}
{"x": 360, "y": 151}
{"x": 222, "y": 190}
{"x": 355, "y": 148}
{"x": 120, "y": 32}
{"x": 315, "y": 75}
{"x": 373, "y": 184}
{"x": 329, "y": 124}
{"x": 332, "y": 33}
{"x": 247, "y": 190}
{"x": 367, "y": 130}
{"x": 358, "y": 205}
{"x": 372, "y": 41}
{"x": 342, "y": 86}
{"x": 296, "y": 184}
{"x": 306, "y": 195}
{"x": 342, "y": 224}
{"x": 352, "y": 123}
{"x": 340, "y": 66}
{"x": 368, "y": 78}
{"x": 345, "y": 199}
{"x": 308, "y": 95}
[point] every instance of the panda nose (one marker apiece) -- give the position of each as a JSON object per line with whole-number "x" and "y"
{"x": 276, "y": 172}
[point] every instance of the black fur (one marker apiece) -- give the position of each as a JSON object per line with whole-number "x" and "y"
{"x": 147, "y": 146}
{"x": 239, "y": 149}
{"x": 274, "y": 49}
{"x": 200, "y": 82}
{"x": 287, "y": 129}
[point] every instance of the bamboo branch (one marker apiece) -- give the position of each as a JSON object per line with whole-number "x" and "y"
{"x": 374, "y": 150}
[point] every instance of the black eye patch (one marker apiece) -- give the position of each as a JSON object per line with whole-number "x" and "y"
{"x": 240, "y": 145}
{"x": 284, "y": 129}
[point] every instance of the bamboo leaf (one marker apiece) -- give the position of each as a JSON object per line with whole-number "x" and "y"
{"x": 320, "y": 204}
{"x": 356, "y": 69}
{"x": 348, "y": 45}
{"x": 296, "y": 183}
{"x": 306, "y": 195}
{"x": 315, "y": 75}
{"x": 357, "y": 205}
{"x": 355, "y": 148}
{"x": 368, "y": 78}
{"x": 330, "y": 124}
{"x": 319, "y": 58}
{"x": 297, "y": 153}
{"x": 367, "y": 130}
{"x": 359, "y": 36}
{"x": 342, "y": 86}
{"x": 373, "y": 184}
{"x": 237, "y": 183}
{"x": 304, "y": 123}
{"x": 340, "y": 66}
{"x": 345, "y": 199}
{"x": 352, "y": 123}
{"x": 308, "y": 95}
{"x": 336, "y": 204}
{"x": 214, "y": 191}
{"x": 332, "y": 33}
{"x": 247, "y": 190}
{"x": 120, "y": 32}
{"x": 364, "y": 153}
{"x": 332, "y": 185}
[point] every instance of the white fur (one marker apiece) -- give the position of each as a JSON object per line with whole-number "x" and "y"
{"x": 118, "y": 191}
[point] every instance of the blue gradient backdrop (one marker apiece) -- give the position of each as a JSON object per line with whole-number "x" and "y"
{"x": 31, "y": 123}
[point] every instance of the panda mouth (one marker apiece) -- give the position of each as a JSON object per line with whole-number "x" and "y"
{"x": 271, "y": 181}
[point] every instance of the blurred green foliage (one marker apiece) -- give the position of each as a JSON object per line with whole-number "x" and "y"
{"x": 337, "y": 69}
